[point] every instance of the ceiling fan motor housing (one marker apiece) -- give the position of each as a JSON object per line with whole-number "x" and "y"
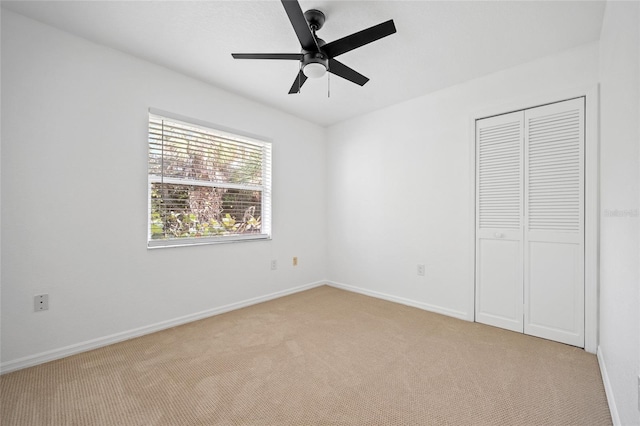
{"x": 315, "y": 56}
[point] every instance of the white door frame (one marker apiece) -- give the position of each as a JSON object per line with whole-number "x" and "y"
{"x": 592, "y": 195}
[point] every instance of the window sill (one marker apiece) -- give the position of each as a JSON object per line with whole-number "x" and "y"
{"x": 188, "y": 242}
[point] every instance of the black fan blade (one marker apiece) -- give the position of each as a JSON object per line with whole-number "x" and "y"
{"x": 293, "y": 56}
{"x": 297, "y": 84}
{"x": 355, "y": 40}
{"x": 300, "y": 26}
{"x": 340, "y": 69}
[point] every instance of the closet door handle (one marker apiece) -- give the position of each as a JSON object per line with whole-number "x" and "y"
{"x": 499, "y": 235}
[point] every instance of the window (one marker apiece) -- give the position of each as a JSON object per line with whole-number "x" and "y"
{"x": 206, "y": 185}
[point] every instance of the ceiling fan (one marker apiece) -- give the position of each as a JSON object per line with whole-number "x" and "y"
{"x": 316, "y": 56}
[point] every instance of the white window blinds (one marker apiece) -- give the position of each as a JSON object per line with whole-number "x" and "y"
{"x": 206, "y": 185}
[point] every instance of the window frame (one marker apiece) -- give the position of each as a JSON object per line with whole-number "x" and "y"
{"x": 230, "y": 135}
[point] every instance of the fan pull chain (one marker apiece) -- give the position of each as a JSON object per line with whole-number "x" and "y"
{"x": 299, "y": 74}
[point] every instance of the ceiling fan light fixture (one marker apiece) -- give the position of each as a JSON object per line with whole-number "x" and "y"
{"x": 314, "y": 70}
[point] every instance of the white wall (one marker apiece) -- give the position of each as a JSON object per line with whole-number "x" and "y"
{"x": 620, "y": 196}
{"x": 74, "y": 196}
{"x": 399, "y": 186}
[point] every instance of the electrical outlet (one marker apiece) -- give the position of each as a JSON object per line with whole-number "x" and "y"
{"x": 421, "y": 269}
{"x": 274, "y": 265}
{"x": 295, "y": 260}
{"x": 40, "y": 302}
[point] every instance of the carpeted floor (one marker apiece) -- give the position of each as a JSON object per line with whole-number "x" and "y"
{"x": 320, "y": 357}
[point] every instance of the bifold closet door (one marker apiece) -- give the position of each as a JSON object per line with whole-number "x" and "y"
{"x": 554, "y": 222}
{"x": 530, "y": 221}
{"x": 499, "y": 236}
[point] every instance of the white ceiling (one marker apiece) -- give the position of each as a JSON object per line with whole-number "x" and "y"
{"x": 438, "y": 43}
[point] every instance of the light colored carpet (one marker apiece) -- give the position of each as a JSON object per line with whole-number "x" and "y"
{"x": 323, "y": 356}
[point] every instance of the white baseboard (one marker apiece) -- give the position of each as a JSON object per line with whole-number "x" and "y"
{"x": 402, "y": 300}
{"x": 31, "y": 360}
{"x": 615, "y": 417}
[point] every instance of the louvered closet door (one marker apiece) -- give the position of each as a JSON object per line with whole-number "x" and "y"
{"x": 554, "y": 222}
{"x": 499, "y": 232}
